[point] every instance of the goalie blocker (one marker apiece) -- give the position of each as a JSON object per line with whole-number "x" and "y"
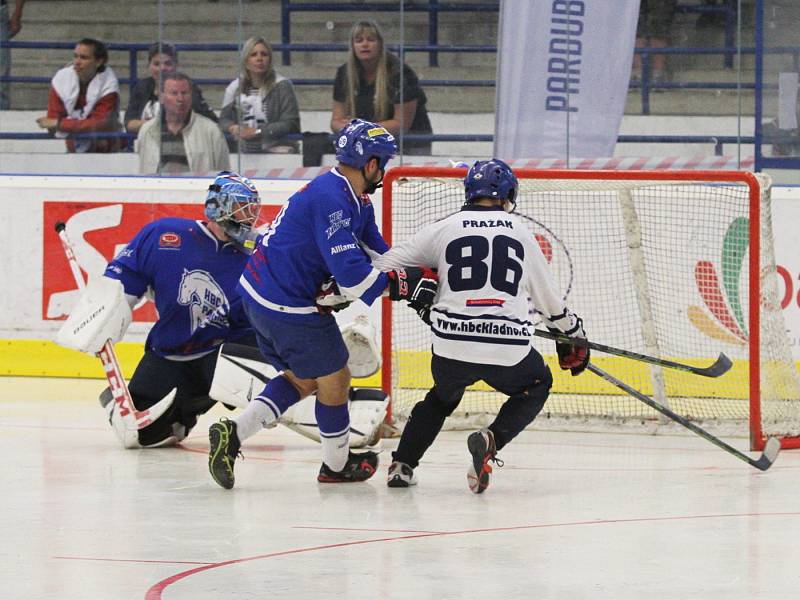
{"x": 103, "y": 313}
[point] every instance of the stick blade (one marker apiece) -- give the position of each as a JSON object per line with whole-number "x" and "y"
{"x": 771, "y": 450}
{"x": 721, "y": 366}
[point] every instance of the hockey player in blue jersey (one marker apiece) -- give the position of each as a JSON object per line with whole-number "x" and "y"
{"x": 325, "y": 229}
{"x": 190, "y": 269}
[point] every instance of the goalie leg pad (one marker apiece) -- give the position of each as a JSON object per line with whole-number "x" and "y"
{"x": 367, "y": 413}
{"x": 102, "y": 314}
{"x": 239, "y": 375}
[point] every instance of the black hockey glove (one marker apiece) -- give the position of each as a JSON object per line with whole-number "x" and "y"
{"x": 330, "y": 299}
{"x": 417, "y": 285}
{"x": 424, "y": 313}
{"x": 570, "y": 356}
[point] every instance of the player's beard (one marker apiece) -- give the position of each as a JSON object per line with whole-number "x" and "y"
{"x": 372, "y": 186}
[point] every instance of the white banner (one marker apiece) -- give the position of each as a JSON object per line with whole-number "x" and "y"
{"x": 562, "y": 80}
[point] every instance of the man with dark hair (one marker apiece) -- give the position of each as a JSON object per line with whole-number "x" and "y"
{"x": 317, "y": 247}
{"x": 180, "y": 140}
{"x": 84, "y": 98}
{"x": 143, "y": 104}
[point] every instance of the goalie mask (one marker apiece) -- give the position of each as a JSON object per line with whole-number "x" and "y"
{"x": 492, "y": 179}
{"x": 234, "y": 204}
{"x": 359, "y": 142}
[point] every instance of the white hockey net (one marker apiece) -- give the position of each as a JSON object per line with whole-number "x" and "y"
{"x": 658, "y": 263}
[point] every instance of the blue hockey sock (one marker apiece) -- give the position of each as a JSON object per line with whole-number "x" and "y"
{"x": 266, "y": 408}
{"x": 334, "y": 431}
{"x": 278, "y": 395}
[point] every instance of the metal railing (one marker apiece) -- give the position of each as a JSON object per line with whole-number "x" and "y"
{"x": 434, "y": 8}
{"x": 718, "y": 140}
{"x": 646, "y": 85}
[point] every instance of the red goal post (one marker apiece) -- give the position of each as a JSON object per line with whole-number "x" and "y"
{"x": 664, "y": 263}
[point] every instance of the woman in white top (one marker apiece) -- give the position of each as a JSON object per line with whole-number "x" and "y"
{"x": 259, "y": 107}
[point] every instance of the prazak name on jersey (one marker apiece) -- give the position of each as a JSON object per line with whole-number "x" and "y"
{"x": 487, "y": 223}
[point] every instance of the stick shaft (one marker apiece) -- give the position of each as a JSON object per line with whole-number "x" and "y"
{"x": 761, "y": 464}
{"x": 720, "y": 367}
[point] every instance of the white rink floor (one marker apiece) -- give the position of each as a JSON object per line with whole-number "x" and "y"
{"x": 570, "y": 516}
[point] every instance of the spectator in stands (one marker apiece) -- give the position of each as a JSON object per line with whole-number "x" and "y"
{"x": 9, "y": 27}
{"x": 259, "y": 107}
{"x": 368, "y": 87}
{"x": 180, "y": 140}
{"x": 84, "y": 98}
{"x": 653, "y": 31}
{"x": 143, "y": 103}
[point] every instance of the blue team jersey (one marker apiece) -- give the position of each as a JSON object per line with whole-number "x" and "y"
{"x": 192, "y": 276}
{"x": 322, "y": 230}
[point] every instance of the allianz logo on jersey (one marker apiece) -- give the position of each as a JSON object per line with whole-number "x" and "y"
{"x": 343, "y": 248}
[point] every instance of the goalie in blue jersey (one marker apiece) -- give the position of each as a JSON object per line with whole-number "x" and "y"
{"x": 317, "y": 253}
{"x": 190, "y": 269}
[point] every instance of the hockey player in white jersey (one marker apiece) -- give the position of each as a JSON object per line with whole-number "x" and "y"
{"x": 489, "y": 267}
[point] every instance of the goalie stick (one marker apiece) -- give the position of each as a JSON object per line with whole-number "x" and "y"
{"x": 721, "y": 366}
{"x": 764, "y": 462}
{"x": 133, "y": 418}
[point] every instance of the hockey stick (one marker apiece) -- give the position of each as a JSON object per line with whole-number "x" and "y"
{"x": 764, "y": 462}
{"x": 133, "y": 418}
{"x": 721, "y": 366}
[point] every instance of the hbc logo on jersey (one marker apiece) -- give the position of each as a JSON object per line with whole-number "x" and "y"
{"x": 337, "y": 222}
{"x": 207, "y": 303}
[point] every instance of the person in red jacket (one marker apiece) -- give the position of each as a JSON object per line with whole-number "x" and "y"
{"x": 84, "y": 98}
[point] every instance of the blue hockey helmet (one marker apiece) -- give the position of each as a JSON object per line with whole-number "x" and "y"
{"x": 234, "y": 204}
{"x": 359, "y": 141}
{"x": 491, "y": 179}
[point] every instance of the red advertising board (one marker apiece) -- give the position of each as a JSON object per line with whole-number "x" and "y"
{"x": 98, "y": 230}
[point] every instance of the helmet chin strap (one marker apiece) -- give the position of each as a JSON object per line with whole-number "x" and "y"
{"x": 371, "y": 187}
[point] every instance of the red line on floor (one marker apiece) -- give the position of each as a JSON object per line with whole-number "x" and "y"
{"x": 154, "y": 593}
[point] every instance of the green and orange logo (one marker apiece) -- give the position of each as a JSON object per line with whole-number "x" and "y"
{"x": 727, "y": 321}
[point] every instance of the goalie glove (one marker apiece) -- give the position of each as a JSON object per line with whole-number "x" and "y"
{"x": 330, "y": 298}
{"x": 417, "y": 285}
{"x": 572, "y": 357}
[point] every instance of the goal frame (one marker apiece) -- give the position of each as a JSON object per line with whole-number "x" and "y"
{"x": 757, "y": 438}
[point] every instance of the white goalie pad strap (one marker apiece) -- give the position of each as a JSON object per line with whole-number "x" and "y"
{"x": 367, "y": 413}
{"x": 241, "y": 373}
{"x": 102, "y": 314}
{"x": 359, "y": 337}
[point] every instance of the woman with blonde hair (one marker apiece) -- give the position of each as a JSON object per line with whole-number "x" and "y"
{"x": 259, "y": 107}
{"x": 375, "y": 86}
